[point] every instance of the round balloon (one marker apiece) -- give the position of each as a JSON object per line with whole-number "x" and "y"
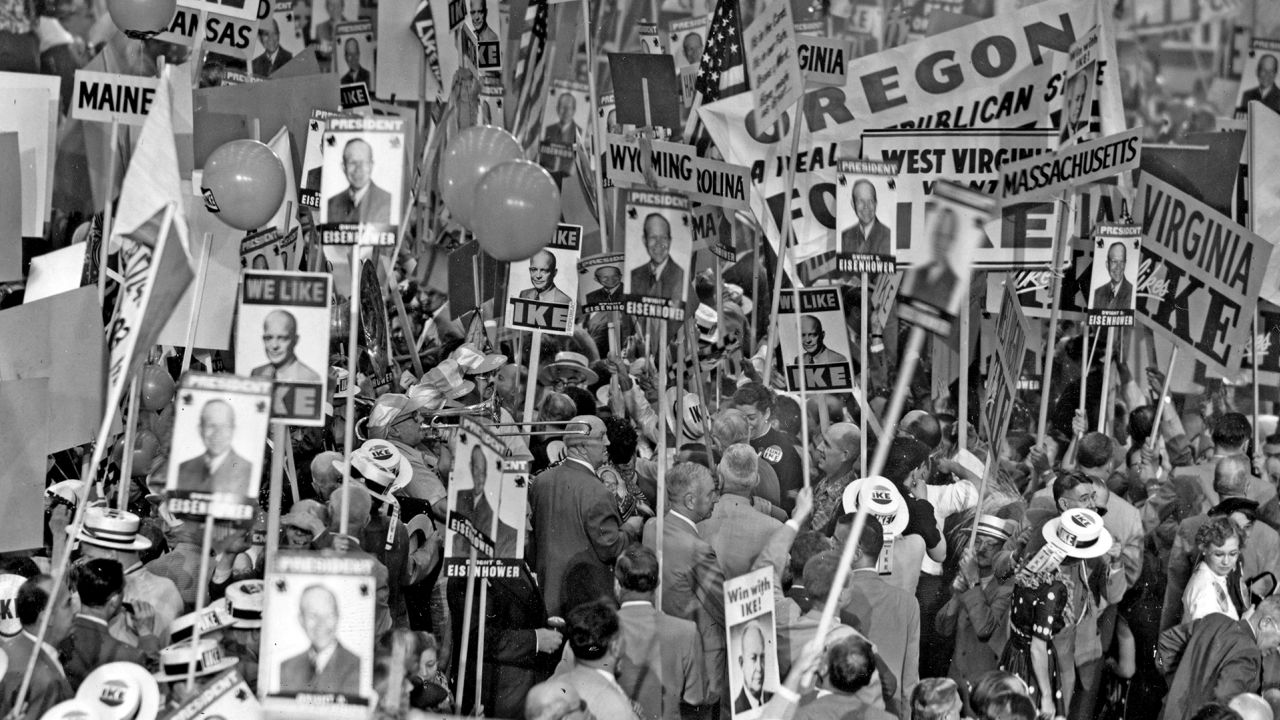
{"x": 521, "y": 209}
{"x": 145, "y": 447}
{"x": 468, "y": 157}
{"x": 141, "y": 18}
{"x": 157, "y": 388}
{"x": 243, "y": 184}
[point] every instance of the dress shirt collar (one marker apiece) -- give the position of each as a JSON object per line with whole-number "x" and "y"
{"x": 692, "y": 524}
{"x": 586, "y": 465}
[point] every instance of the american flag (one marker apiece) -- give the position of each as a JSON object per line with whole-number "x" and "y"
{"x": 531, "y": 71}
{"x": 722, "y": 71}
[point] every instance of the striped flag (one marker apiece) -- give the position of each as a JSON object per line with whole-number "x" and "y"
{"x": 722, "y": 72}
{"x": 531, "y": 72}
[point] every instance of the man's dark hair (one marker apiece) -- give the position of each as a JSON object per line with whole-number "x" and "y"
{"x": 31, "y": 599}
{"x": 820, "y": 572}
{"x": 872, "y": 540}
{"x": 1231, "y": 430}
{"x": 1096, "y": 450}
{"x": 1020, "y": 443}
{"x": 1215, "y": 711}
{"x": 755, "y": 394}
{"x": 637, "y": 569}
{"x": 1010, "y": 706}
{"x": 850, "y": 664}
{"x": 97, "y": 580}
{"x": 905, "y": 455}
{"x": 787, "y": 412}
{"x": 582, "y": 398}
{"x": 622, "y": 440}
{"x": 807, "y": 545}
{"x": 589, "y": 628}
{"x": 1068, "y": 481}
{"x": 924, "y": 427}
{"x": 1141, "y": 422}
{"x": 19, "y": 565}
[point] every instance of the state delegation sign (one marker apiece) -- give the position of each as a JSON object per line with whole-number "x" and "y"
{"x": 108, "y": 97}
{"x": 679, "y": 168}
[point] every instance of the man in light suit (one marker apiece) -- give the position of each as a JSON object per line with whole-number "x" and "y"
{"x": 577, "y": 531}
{"x": 542, "y": 273}
{"x": 868, "y": 235}
{"x": 813, "y": 344}
{"x": 363, "y": 201}
{"x": 736, "y": 530}
{"x": 218, "y": 469}
{"x": 889, "y": 616}
{"x": 1117, "y": 294}
{"x": 661, "y": 276}
{"x": 326, "y": 667}
{"x": 692, "y": 579}
{"x": 273, "y": 56}
{"x": 279, "y": 339}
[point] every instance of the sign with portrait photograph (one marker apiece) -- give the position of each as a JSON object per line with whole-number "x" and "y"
{"x": 564, "y": 125}
{"x": 658, "y": 233}
{"x": 362, "y": 181}
{"x": 688, "y": 38}
{"x": 488, "y": 497}
{"x": 317, "y": 652}
{"x": 823, "y": 342}
{"x": 539, "y": 295}
{"x": 226, "y": 696}
{"x": 932, "y": 291}
{"x": 753, "y": 648}
{"x": 600, "y": 286}
{"x": 354, "y": 48}
{"x": 283, "y": 335}
{"x": 313, "y": 158}
{"x": 215, "y": 458}
{"x": 1079, "y": 121}
{"x": 1258, "y": 81}
{"x": 1114, "y": 275}
{"x": 865, "y": 231}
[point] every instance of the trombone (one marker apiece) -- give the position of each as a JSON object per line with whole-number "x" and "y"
{"x": 489, "y": 411}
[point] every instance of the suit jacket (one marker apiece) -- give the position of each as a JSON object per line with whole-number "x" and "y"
{"x": 1104, "y": 298}
{"x": 890, "y": 618}
{"x": 341, "y": 675}
{"x": 1255, "y": 93}
{"x": 978, "y": 618}
{"x": 838, "y": 706}
{"x": 737, "y": 532}
{"x": 603, "y": 698}
{"x": 577, "y": 534}
{"x": 602, "y": 295}
{"x": 375, "y": 208}
{"x": 359, "y": 76}
{"x": 670, "y": 283}
{"x": 232, "y": 476}
{"x": 48, "y": 686}
{"x": 825, "y": 356}
{"x": 89, "y": 645}
{"x": 693, "y": 588}
{"x": 661, "y": 667}
{"x": 934, "y": 284}
{"x": 264, "y": 67}
{"x": 1211, "y": 660}
{"x": 557, "y": 295}
{"x": 852, "y": 240}
{"x": 742, "y": 703}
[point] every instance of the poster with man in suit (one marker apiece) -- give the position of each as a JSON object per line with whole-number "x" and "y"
{"x": 542, "y": 290}
{"x": 215, "y": 458}
{"x": 1114, "y": 276}
{"x": 484, "y": 494}
{"x": 317, "y": 653}
{"x": 866, "y": 215}
{"x": 933, "y": 290}
{"x": 283, "y": 335}
{"x": 362, "y": 179}
{"x": 1258, "y": 81}
{"x": 658, "y": 232}
{"x": 822, "y": 343}
{"x": 600, "y": 283}
{"x": 753, "y": 649}
{"x": 355, "y": 47}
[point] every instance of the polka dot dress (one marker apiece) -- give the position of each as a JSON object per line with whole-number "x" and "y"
{"x": 1035, "y": 613}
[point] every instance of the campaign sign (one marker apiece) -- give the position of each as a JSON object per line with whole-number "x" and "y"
{"x": 283, "y": 335}
{"x": 540, "y": 296}
{"x": 362, "y": 181}
{"x": 226, "y": 696}
{"x": 108, "y": 97}
{"x": 659, "y": 248}
{"x": 600, "y": 283}
{"x": 1041, "y": 178}
{"x": 1114, "y": 275}
{"x": 752, "y": 642}
{"x": 822, "y": 344}
{"x": 675, "y": 166}
{"x": 487, "y": 501}
{"x": 864, "y": 232}
{"x": 241, "y": 9}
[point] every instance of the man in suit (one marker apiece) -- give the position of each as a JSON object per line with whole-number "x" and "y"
{"x": 661, "y": 276}
{"x": 813, "y": 344}
{"x": 889, "y": 616}
{"x": 100, "y": 587}
{"x": 977, "y": 612}
{"x": 480, "y": 21}
{"x": 542, "y": 273}
{"x": 218, "y": 469}
{"x": 751, "y": 668}
{"x": 868, "y": 236}
{"x": 355, "y": 73}
{"x": 273, "y": 56}
{"x": 1117, "y": 294}
{"x": 934, "y": 283}
{"x": 363, "y": 201}
{"x": 279, "y": 338}
{"x": 736, "y": 530}
{"x": 577, "y": 531}
{"x": 482, "y": 513}
{"x": 48, "y": 685}
{"x": 565, "y": 130}
{"x": 1266, "y": 92}
{"x": 326, "y": 667}
{"x": 692, "y": 579}
{"x": 610, "y": 290}
{"x": 661, "y": 664}
{"x": 594, "y": 638}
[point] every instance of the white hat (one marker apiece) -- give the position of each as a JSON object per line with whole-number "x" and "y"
{"x": 381, "y": 463}
{"x": 11, "y": 625}
{"x": 1079, "y": 533}
{"x": 74, "y": 709}
{"x": 175, "y": 659}
{"x": 121, "y": 690}
{"x": 111, "y": 528}
{"x": 244, "y": 604}
{"x": 213, "y": 618}
{"x": 884, "y": 502}
{"x": 569, "y": 366}
{"x": 67, "y": 491}
{"x": 708, "y": 321}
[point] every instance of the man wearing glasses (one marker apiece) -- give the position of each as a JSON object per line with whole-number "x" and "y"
{"x": 661, "y": 276}
{"x": 363, "y": 201}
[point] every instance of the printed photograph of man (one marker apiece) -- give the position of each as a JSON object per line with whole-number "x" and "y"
{"x": 1117, "y": 292}
{"x": 564, "y": 131}
{"x": 691, "y": 49}
{"x": 868, "y": 236}
{"x": 542, "y": 273}
{"x": 327, "y": 667}
{"x": 355, "y": 73}
{"x": 1266, "y": 91}
{"x": 751, "y": 661}
{"x": 273, "y": 56}
{"x": 1077, "y": 110}
{"x": 218, "y": 469}
{"x": 480, "y": 22}
{"x": 475, "y": 505}
{"x": 610, "y": 290}
{"x": 363, "y": 201}
{"x": 935, "y": 282}
{"x": 279, "y": 341}
{"x": 812, "y": 343}
{"x": 661, "y": 276}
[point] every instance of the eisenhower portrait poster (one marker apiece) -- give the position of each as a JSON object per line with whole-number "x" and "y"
{"x": 485, "y": 492}
{"x": 1113, "y": 279}
{"x": 216, "y": 458}
{"x": 753, "y": 649}
{"x": 866, "y": 216}
{"x": 823, "y": 341}
{"x": 283, "y": 335}
{"x": 542, "y": 291}
{"x": 362, "y": 180}
{"x": 658, "y": 233}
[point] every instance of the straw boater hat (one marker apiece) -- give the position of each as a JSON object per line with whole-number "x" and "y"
{"x": 121, "y": 691}
{"x": 883, "y": 500}
{"x": 1078, "y": 533}
{"x": 996, "y": 527}
{"x": 174, "y": 660}
{"x": 10, "y": 626}
{"x": 474, "y": 362}
{"x": 244, "y": 604}
{"x": 708, "y": 321}
{"x": 571, "y": 367}
{"x": 213, "y": 620}
{"x": 446, "y": 379}
{"x": 74, "y": 709}
{"x": 66, "y": 492}
{"x": 384, "y": 468}
{"x": 111, "y": 528}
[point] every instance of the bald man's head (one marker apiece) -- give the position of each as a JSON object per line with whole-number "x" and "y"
{"x": 279, "y": 337}
{"x": 217, "y": 427}
{"x": 1231, "y": 476}
{"x": 554, "y": 699}
{"x": 325, "y": 478}
{"x": 542, "y": 270}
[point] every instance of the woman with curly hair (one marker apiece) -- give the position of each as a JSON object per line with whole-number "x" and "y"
{"x": 1220, "y": 541}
